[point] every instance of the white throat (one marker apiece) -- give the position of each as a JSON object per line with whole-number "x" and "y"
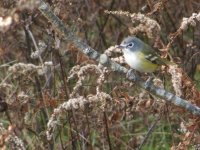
{"x": 132, "y": 59}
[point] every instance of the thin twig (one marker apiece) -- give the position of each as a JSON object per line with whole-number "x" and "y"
{"x": 107, "y": 132}
{"x": 89, "y": 132}
{"x": 34, "y": 43}
{"x": 70, "y": 113}
{"x": 149, "y": 132}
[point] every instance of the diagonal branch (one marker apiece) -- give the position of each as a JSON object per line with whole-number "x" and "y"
{"x": 104, "y": 60}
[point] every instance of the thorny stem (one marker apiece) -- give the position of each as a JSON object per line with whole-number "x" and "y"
{"x": 104, "y": 60}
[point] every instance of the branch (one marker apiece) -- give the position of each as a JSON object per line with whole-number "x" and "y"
{"x": 104, "y": 60}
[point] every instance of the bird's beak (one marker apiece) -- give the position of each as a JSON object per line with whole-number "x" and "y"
{"x": 120, "y": 46}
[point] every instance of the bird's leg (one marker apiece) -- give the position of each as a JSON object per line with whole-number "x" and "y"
{"x": 149, "y": 81}
{"x": 132, "y": 75}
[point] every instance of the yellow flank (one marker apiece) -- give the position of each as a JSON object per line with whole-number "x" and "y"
{"x": 146, "y": 65}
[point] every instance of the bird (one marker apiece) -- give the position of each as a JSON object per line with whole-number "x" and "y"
{"x": 140, "y": 56}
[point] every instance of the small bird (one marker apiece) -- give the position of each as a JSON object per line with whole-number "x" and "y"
{"x": 140, "y": 56}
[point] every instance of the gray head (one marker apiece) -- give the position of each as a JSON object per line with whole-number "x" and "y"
{"x": 131, "y": 43}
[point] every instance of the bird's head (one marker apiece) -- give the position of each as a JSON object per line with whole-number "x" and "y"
{"x": 131, "y": 44}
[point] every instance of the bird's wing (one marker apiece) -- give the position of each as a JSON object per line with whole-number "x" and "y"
{"x": 153, "y": 57}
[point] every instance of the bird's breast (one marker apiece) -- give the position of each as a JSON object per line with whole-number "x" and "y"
{"x": 132, "y": 59}
{"x": 136, "y": 60}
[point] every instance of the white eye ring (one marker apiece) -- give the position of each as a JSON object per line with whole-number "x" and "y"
{"x": 130, "y": 45}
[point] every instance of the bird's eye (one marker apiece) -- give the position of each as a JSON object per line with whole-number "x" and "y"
{"x": 130, "y": 45}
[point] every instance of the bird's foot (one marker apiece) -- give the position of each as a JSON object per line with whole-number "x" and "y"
{"x": 148, "y": 82}
{"x": 132, "y": 75}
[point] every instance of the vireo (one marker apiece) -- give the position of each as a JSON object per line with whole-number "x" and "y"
{"x": 140, "y": 56}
